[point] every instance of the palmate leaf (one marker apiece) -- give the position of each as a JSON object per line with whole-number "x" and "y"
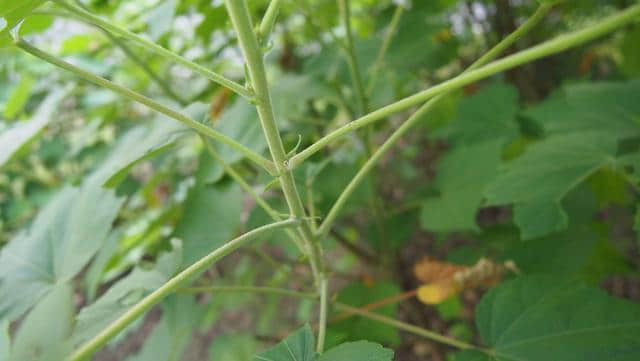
{"x": 66, "y": 233}
{"x": 120, "y": 297}
{"x": 539, "y": 319}
{"x": 537, "y": 181}
{"x": 43, "y": 336}
{"x": 300, "y": 346}
{"x": 21, "y": 133}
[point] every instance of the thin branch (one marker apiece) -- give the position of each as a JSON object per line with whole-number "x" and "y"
{"x": 151, "y": 46}
{"x": 393, "y": 25}
{"x": 86, "y": 350}
{"x": 408, "y": 327}
{"x": 269, "y": 19}
{"x": 419, "y": 114}
{"x": 559, "y": 44}
{"x": 199, "y": 127}
{"x": 322, "y": 322}
{"x": 352, "y": 60}
{"x": 249, "y": 289}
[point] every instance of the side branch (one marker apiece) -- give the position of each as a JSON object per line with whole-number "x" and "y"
{"x": 97, "y": 80}
{"x": 110, "y": 27}
{"x": 559, "y": 44}
{"x": 171, "y": 286}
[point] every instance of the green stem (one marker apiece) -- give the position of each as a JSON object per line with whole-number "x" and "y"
{"x": 269, "y": 19}
{"x": 199, "y": 127}
{"x": 407, "y": 327}
{"x": 559, "y": 44}
{"x": 167, "y": 54}
{"x": 241, "y": 21}
{"x": 274, "y": 214}
{"x": 171, "y": 286}
{"x": 322, "y": 323}
{"x": 393, "y": 25}
{"x": 419, "y": 114}
{"x": 352, "y": 60}
{"x": 250, "y": 289}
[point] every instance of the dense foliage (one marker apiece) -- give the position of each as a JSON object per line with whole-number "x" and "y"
{"x": 319, "y": 180}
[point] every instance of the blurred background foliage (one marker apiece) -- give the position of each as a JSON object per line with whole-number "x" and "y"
{"x": 567, "y": 126}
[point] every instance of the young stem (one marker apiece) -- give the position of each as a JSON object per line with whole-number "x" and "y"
{"x": 269, "y": 19}
{"x": 241, "y": 21}
{"x": 393, "y": 25}
{"x": 419, "y": 114}
{"x": 407, "y": 327}
{"x": 559, "y": 44}
{"x": 128, "y": 93}
{"x": 322, "y": 324}
{"x": 249, "y": 289}
{"x": 171, "y": 286}
{"x": 151, "y": 46}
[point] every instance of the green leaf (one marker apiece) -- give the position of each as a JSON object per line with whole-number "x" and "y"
{"x": 606, "y": 107}
{"x": 488, "y": 115}
{"x": 66, "y": 233}
{"x": 299, "y": 346}
{"x": 13, "y": 139}
{"x": 545, "y": 174}
{"x": 358, "y": 351}
{"x": 211, "y": 215}
{"x": 140, "y": 143}
{"x": 160, "y": 19}
{"x": 19, "y": 97}
{"x": 124, "y": 294}
{"x": 237, "y": 347}
{"x": 461, "y": 178}
{"x": 13, "y": 12}
{"x": 358, "y": 328}
{"x": 540, "y": 319}
{"x": 172, "y": 334}
{"x": 5, "y": 342}
{"x": 637, "y": 223}
{"x": 43, "y": 336}
{"x": 240, "y": 122}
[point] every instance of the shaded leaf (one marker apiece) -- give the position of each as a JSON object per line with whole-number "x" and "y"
{"x": 240, "y": 121}
{"x": 19, "y": 97}
{"x": 13, "y": 139}
{"x": 299, "y": 346}
{"x": 67, "y": 232}
{"x": 357, "y": 351}
{"x": 124, "y": 294}
{"x": 461, "y": 178}
{"x": 5, "y": 342}
{"x": 43, "y": 336}
{"x": 537, "y": 318}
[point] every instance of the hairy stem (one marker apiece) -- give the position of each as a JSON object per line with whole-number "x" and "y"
{"x": 407, "y": 327}
{"x": 198, "y": 127}
{"x": 249, "y": 289}
{"x": 322, "y": 323}
{"x": 151, "y": 46}
{"x": 171, "y": 286}
{"x": 241, "y": 21}
{"x": 559, "y": 44}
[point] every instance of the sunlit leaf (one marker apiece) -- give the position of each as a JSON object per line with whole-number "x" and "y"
{"x": 299, "y": 346}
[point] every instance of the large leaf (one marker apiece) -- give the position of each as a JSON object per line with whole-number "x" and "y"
{"x": 461, "y": 178}
{"x": 211, "y": 215}
{"x": 537, "y": 181}
{"x": 43, "y": 336}
{"x": 240, "y": 122}
{"x": 64, "y": 236}
{"x": 357, "y": 351}
{"x": 539, "y": 319}
{"x": 606, "y": 107}
{"x": 487, "y": 115}
{"x": 299, "y": 346}
{"x": 124, "y": 294}
{"x": 5, "y": 342}
{"x": 13, "y": 139}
